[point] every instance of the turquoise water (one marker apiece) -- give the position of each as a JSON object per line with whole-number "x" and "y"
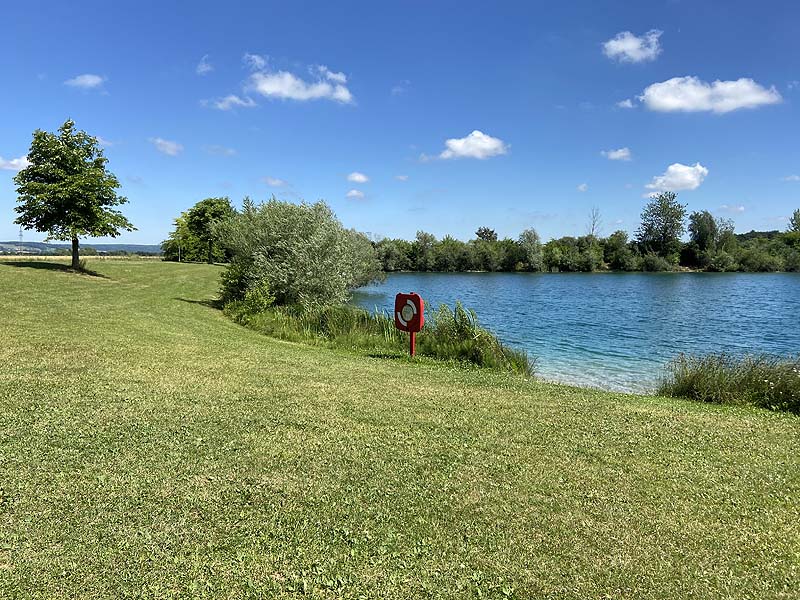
{"x": 616, "y": 331}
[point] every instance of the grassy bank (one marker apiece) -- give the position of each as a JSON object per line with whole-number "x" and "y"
{"x": 449, "y": 335}
{"x": 153, "y": 448}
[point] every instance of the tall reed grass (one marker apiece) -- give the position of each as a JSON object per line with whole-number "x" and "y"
{"x": 763, "y": 381}
{"x": 448, "y": 334}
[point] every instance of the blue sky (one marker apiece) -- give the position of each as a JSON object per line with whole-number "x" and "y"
{"x": 298, "y": 99}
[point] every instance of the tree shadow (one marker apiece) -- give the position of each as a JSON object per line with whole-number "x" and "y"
{"x": 215, "y": 304}
{"x": 52, "y": 266}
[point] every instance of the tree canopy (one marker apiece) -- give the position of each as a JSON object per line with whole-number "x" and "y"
{"x": 662, "y": 226}
{"x": 66, "y": 191}
{"x": 203, "y": 216}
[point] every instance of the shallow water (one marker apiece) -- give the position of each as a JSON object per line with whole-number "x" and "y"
{"x": 616, "y": 331}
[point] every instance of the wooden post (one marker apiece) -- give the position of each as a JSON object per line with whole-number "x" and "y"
{"x": 413, "y": 346}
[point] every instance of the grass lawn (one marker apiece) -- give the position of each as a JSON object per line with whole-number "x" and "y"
{"x": 151, "y": 448}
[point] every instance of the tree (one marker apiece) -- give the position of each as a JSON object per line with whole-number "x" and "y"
{"x": 531, "y": 246}
{"x": 662, "y": 226}
{"x": 703, "y": 231}
{"x": 182, "y": 244}
{"x": 595, "y": 222}
{"x": 617, "y": 252}
{"x": 794, "y": 222}
{"x": 486, "y": 234}
{"x": 66, "y": 191}
{"x": 202, "y": 218}
{"x": 422, "y": 251}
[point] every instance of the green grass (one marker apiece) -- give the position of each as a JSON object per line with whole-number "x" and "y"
{"x": 453, "y": 335}
{"x": 763, "y": 381}
{"x": 150, "y": 447}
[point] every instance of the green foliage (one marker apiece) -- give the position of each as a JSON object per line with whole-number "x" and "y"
{"x": 794, "y": 222}
{"x": 456, "y": 334}
{"x": 762, "y": 381}
{"x": 66, "y": 190}
{"x": 183, "y": 244}
{"x": 300, "y": 252}
{"x": 617, "y": 252}
{"x": 569, "y": 254}
{"x": 453, "y": 335}
{"x": 662, "y": 226}
{"x": 759, "y": 260}
{"x": 486, "y": 234}
{"x": 531, "y": 249}
{"x": 652, "y": 262}
{"x": 203, "y": 217}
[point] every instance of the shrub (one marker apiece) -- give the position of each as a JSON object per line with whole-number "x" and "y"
{"x": 300, "y": 252}
{"x": 763, "y": 381}
{"x": 722, "y": 262}
{"x": 758, "y": 260}
{"x": 654, "y": 263}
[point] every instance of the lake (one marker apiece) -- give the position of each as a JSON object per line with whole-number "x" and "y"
{"x": 615, "y": 330}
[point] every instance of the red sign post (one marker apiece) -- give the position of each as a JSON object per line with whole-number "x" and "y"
{"x": 409, "y": 315}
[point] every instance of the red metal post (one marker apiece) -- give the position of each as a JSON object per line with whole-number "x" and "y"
{"x": 413, "y": 343}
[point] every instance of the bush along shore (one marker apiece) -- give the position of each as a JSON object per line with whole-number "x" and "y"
{"x": 763, "y": 381}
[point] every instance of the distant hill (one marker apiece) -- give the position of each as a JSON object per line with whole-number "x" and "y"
{"x": 47, "y": 248}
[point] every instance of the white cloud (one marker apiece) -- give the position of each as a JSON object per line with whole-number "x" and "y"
{"x": 274, "y": 181}
{"x": 285, "y": 85}
{"x": 627, "y": 103}
{"x": 229, "y": 102}
{"x": 732, "y": 208}
{"x": 792, "y": 178}
{"x": 583, "y": 187}
{"x": 401, "y": 177}
{"x": 14, "y": 164}
{"x": 87, "y": 81}
{"x": 325, "y": 73}
{"x": 104, "y": 142}
{"x": 357, "y": 177}
{"x": 476, "y": 145}
{"x": 620, "y": 154}
{"x": 256, "y": 62}
{"x": 166, "y": 146}
{"x": 690, "y": 94}
{"x": 626, "y": 47}
{"x": 219, "y": 150}
{"x": 204, "y": 67}
{"x": 356, "y": 194}
{"x": 679, "y": 177}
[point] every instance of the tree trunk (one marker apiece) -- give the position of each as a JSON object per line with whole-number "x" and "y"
{"x": 210, "y": 252}
{"x": 75, "y": 259}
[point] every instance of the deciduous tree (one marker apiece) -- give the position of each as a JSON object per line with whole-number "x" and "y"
{"x": 66, "y": 191}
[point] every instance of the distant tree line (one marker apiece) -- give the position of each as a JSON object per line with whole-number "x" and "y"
{"x": 657, "y": 245}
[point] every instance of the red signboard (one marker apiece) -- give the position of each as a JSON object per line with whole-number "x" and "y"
{"x": 408, "y": 312}
{"x": 409, "y": 315}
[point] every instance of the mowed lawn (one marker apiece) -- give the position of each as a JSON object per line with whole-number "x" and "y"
{"x": 151, "y": 448}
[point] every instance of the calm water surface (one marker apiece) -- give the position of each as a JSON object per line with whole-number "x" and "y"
{"x": 616, "y": 331}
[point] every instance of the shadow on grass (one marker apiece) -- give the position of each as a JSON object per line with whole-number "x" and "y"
{"x": 215, "y": 304}
{"x": 52, "y": 266}
{"x": 386, "y": 355}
